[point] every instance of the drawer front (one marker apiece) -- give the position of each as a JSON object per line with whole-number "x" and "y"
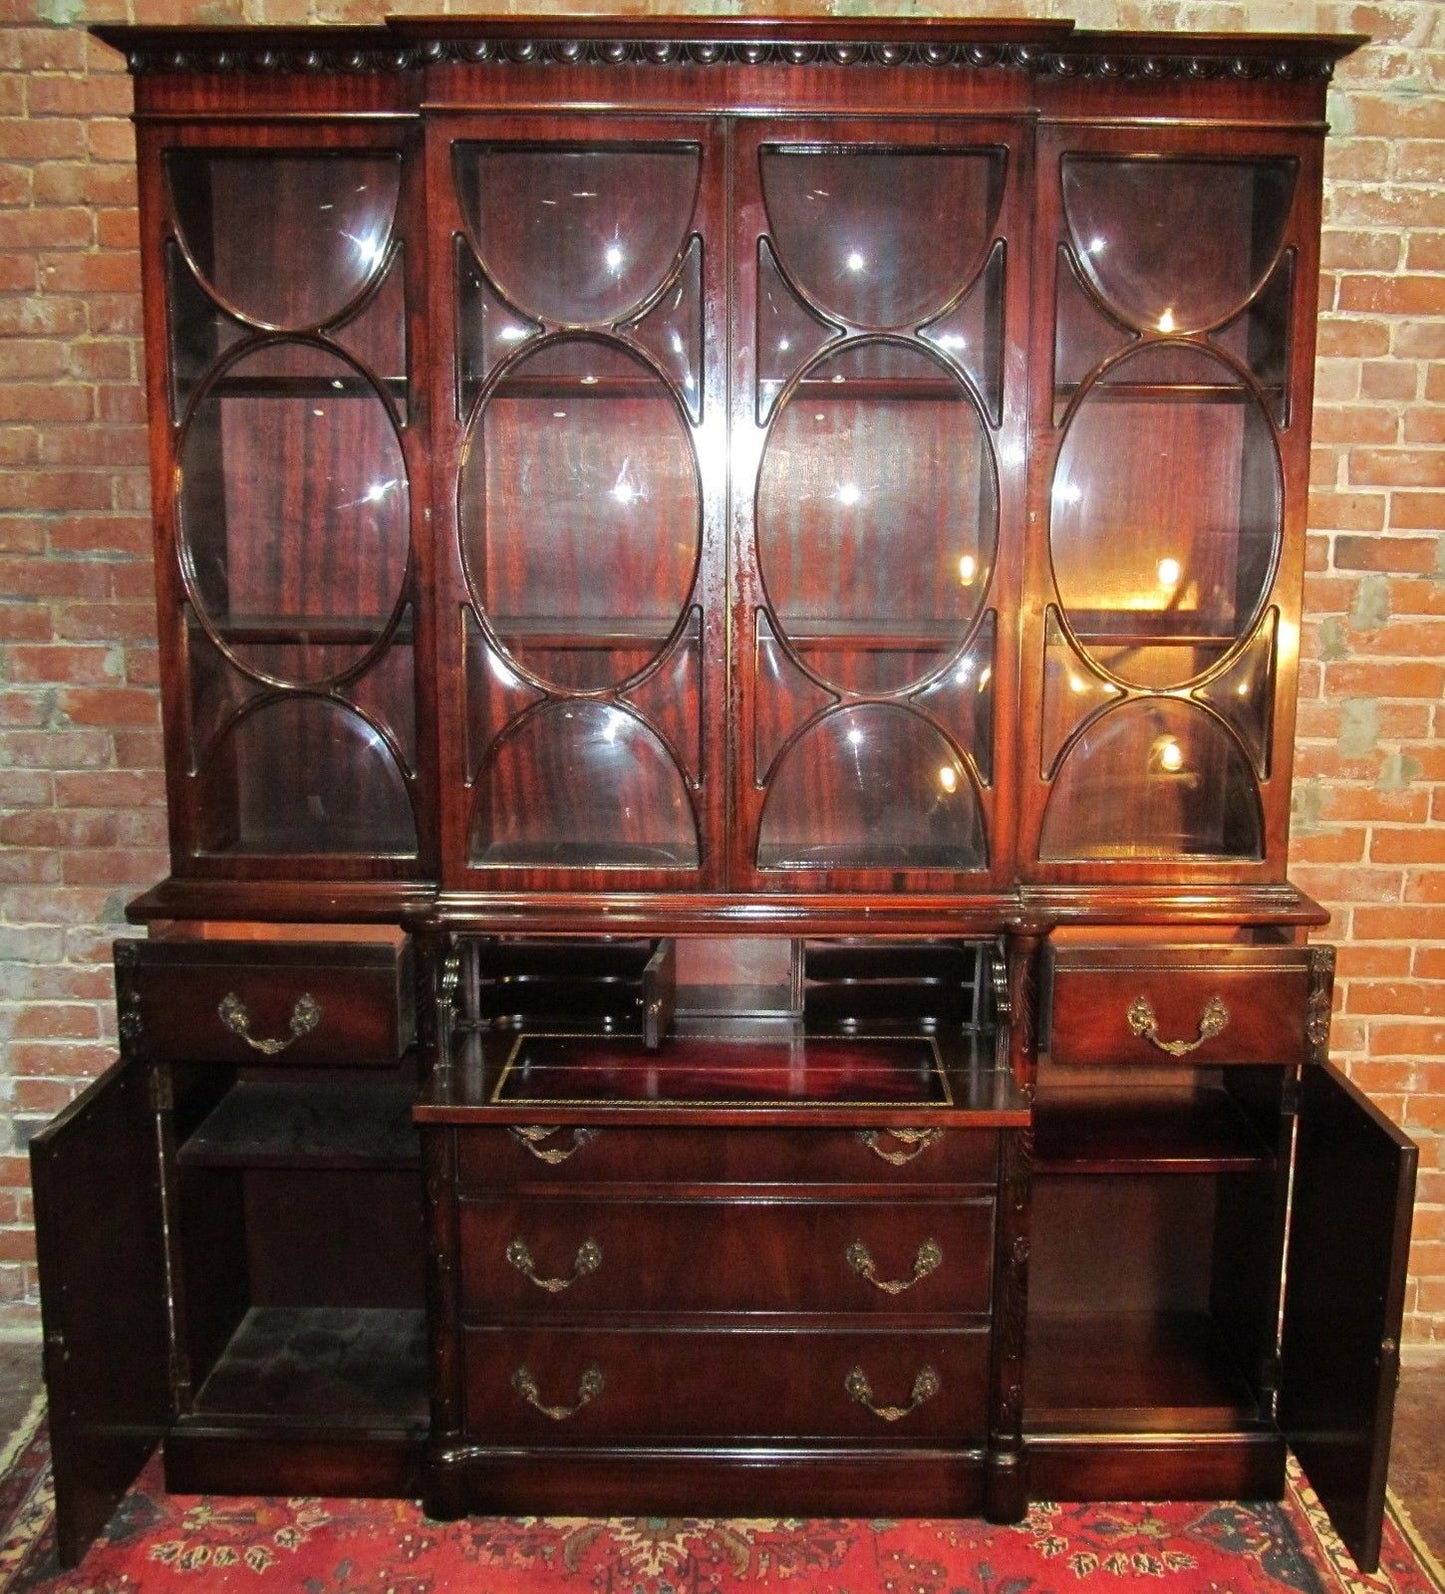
{"x": 568, "y": 1155}
{"x": 279, "y": 1004}
{"x": 584, "y": 1386}
{"x": 549, "y": 1258}
{"x": 1196, "y": 1006}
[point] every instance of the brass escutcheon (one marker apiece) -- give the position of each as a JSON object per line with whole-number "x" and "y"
{"x": 588, "y": 1260}
{"x": 925, "y": 1386}
{"x": 860, "y": 1259}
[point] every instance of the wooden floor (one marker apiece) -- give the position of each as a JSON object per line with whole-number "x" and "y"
{"x": 1417, "y": 1466}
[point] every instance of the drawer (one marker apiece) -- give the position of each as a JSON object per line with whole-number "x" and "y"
{"x": 1195, "y": 1005}
{"x": 583, "y": 1386}
{"x": 550, "y": 1258}
{"x": 276, "y": 1003}
{"x": 567, "y": 1154}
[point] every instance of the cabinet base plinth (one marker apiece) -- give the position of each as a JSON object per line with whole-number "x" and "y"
{"x": 758, "y": 1482}
{"x": 1156, "y": 1467}
{"x": 219, "y": 1460}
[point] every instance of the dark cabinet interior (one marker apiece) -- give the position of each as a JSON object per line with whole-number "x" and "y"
{"x": 729, "y": 668}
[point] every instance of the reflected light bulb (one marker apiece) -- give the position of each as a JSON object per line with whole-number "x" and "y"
{"x": 849, "y": 494}
{"x": 967, "y": 569}
{"x": 855, "y": 736}
{"x": 1169, "y": 572}
{"x": 948, "y": 778}
{"x": 1166, "y": 321}
{"x": 1171, "y": 755}
{"x": 855, "y": 261}
{"x": 613, "y": 257}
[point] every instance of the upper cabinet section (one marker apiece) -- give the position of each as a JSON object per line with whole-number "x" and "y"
{"x": 729, "y": 456}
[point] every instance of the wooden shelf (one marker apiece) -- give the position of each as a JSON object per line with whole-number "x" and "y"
{"x": 1159, "y": 1130}
{"x": 305, "y": 387}
{"x": 324, "y": 1366}
{"x": 1125, "y": 1372}
{"x": 306, "y": 1124}
{"x": 1168, "y": 392}
{"x": 304, "y": 630}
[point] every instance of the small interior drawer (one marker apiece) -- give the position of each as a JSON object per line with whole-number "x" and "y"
{"x": 1198, "y": 1006}
{"x": 267, "y": 1003}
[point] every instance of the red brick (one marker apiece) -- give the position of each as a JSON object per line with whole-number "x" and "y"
{"x": 85, "y": 622}
{"x": 1425, "y": 426}
{"x": 1356, "y": 423}
{"x": 1357, "y": 962}
{"x": 1399, "y": 295}
{"x": 1398, "y": 116}
{"x": 1418, "y": 998}
{"x": 24, "y": 140}
{"x": 54, "y": 489}
{"x": 91, "y": 273}
{"x": 80, "y": 96}
{"x": 77, "y": 663}
{"x": 1345, "y": 803}
{"x": 1424, "y": 251}
{"x": 1386, "y": 678}
{"x": 1388, "y": 379}
{"x": 1419, "y": 340}
{"x": 109, "y": 705}
{"x": 1417, "y": 555}
{"x": 44, "y": 402}
{"x": 1328, "y": 846}
{"x": 1396, "y": 467}
{"x": 1353, "y": 336}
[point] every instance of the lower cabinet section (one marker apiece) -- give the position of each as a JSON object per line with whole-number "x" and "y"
{"x": 1147, "y": 1281}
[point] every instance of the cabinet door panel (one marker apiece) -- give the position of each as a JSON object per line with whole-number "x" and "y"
{"x": 98, "y": 1225}
{"x": 877, "y": 453}
{"x": 1344, "y": 1300}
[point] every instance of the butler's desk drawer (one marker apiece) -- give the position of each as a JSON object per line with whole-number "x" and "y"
{"x": 579, "y": 1386}
{"x": 285, "y": 1003}
{"x": 571, "y": 1154}
{"x": 1197, "y": 1005}
{"x": 555, "y": 1257}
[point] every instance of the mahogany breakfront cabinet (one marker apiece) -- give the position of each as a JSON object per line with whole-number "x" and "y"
{"x": 729, "y": 599}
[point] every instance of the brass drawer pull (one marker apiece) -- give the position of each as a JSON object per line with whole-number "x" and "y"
{"x": 587, "y": 1391}
{"x": 911, "y": 1143}
{"x": 925, "y": 1387}
{"x": 305, "y": 1016}
{"x": 531, "y": 1136}
{"x": 860, "y": 1259}
{"x": 1212, "y": 1022}
{"x": 589, "y": 1259}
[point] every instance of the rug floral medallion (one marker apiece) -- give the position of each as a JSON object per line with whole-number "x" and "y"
{"x": 187, "y": 1544}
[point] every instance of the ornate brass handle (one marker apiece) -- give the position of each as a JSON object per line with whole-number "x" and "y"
{"x": 531, "y": 1137}
{"x": 587, "y": 1391}
{"x": 860, "y": 1259}
{"x": 588, "y": 1260}
{"x": 911, "y": 1143}
{"x": 1212, "y": 1022}
{"x": 305, "y": 1016}
{"x": 925, "y": 1387}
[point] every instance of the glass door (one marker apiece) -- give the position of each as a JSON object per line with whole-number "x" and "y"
{"x": 1167, "y": 467}
{"x": 293, "y": 598}
{"x": 876, "y": 464}
{"x": 587, "y": 451}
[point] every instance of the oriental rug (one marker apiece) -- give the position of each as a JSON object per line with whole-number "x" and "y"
{"x": 189, "y": 1544}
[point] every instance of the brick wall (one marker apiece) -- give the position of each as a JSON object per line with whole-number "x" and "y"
{"x": 81, "y": 818}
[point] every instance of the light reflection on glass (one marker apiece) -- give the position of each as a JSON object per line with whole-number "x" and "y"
{"x": 855, "y": 261}
{"x": 369, "y": 247}
{"x": 849, "y": 494}
{"x": 1168, "y": 754}
{"x": 948, "y": 778}
{"x": 1169, "y": 571}
{"x": 967, "y": 569}
{"x": 1068, "y": 492}
{"x": 855, "y": 736}
{"x": 1166, "y": 321}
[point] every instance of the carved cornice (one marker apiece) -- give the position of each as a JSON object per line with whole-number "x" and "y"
{"x": 1045, "y": 50}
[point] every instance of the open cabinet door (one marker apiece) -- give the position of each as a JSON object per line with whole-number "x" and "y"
{"x": 100, "y": 1239}
{"x": 1344, "y": 1298}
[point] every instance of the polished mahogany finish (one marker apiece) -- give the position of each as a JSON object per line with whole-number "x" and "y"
{"x": 767, "y": 554}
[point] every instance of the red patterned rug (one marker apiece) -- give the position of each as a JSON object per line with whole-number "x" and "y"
{"x": 165, "y": 1544}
